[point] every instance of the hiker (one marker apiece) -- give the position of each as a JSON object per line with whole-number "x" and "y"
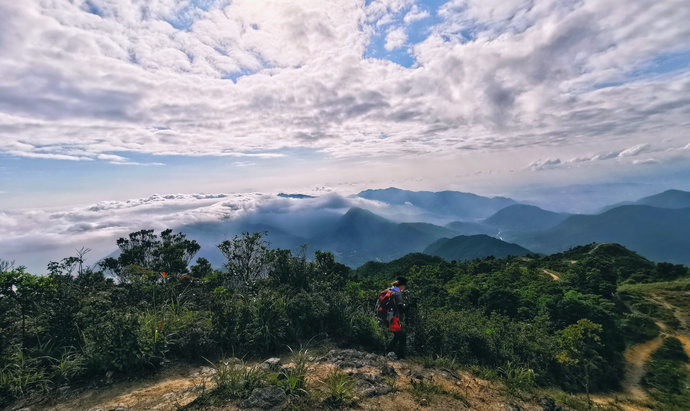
{"x": 389, "y": 309}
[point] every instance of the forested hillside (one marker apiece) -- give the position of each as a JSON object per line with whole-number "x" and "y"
{"x": 559, "y": 321}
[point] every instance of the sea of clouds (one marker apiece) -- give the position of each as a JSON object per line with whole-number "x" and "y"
{"x": 32, "y": 237}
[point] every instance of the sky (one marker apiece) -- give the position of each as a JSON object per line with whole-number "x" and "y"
{"x": 118, "y": 100}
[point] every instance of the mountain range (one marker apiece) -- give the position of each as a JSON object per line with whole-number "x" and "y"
{"x": 657, "y": 227}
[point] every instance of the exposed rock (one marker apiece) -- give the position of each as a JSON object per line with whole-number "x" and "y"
{"x": 388, "y": 371}
{"x": 417, "y": 376}
{"x": 120, "y": 408}
{"x": 273, "y": 362}
{"x": 265, "y": 397}
{"x": 392, "y": 356}
{"x": 513, "y": 407}
{"x": 371, "y": 385}
{"x": 548, "y": 404}
{"x": 351, "y": 358}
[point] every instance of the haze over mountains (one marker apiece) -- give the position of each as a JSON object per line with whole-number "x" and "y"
{"x": 373, "y": 225}
{"x": 482, "y": 226}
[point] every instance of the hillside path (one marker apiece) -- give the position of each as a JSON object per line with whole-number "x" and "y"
{"x": 552, "y": 274}
{"x": 636, "y": 357}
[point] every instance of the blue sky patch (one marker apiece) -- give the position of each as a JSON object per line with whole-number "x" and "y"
{"x": 663, "y": 64}
{"x": 189, "y": 13}
{"x": 416, "y": 31}
{"x": 89, "y": 7}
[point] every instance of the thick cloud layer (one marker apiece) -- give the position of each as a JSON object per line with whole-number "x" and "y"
{"x": 82, "y": 80}
{"x": 33, "y": 237}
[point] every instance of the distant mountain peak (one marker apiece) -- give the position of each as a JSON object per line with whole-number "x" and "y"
{"x": 298, "y": 196}
{"x": 362, "y": 212}
{"x": 667, "y": 199}
{"x": 455, "y": 204}
{"x": 470, "y": 247}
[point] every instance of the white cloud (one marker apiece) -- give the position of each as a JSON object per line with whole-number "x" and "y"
{"x": 622, "y": 155}
{"x": 395, "y": 38}
{"x": 646, "y": 161}
{"x": 635, "y": 150}
{"x": 243, "y": 164}
{"x": 415, "y": 14}
{"x": 34, "y": 236}
{"x": 494, "y": 75}
{"x": 544, "y": 164}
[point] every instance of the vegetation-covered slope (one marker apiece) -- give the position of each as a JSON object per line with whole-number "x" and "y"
{"x": 507, "y": 316}
{"x": 660, "y": 234}
{"x": 360, "y": 236}
{"x": 463, "y": 248}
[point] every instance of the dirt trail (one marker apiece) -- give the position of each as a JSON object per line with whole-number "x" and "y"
{"x": 552, "y": 274}
{"x": 676, "y": 313}
{"x": 181, "y": 385}
{"x": 636, "y": 357}
{"x": 167, "y": 391}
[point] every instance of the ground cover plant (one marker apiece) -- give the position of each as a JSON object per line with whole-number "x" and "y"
{"x": 154, "y": 304}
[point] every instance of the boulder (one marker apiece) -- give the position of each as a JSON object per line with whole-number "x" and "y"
{"x": 272, "y": 364}
{"x": 265, "y": 397}
{"x": 549, "y": 404}
{"x": 388, "y": 371}
{"x": 371, "y": 385}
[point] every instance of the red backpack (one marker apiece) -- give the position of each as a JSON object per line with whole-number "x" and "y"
{"x": 384, "y": 304}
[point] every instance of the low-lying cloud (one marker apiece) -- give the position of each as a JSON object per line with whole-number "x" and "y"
{"x": 33, "y": 237}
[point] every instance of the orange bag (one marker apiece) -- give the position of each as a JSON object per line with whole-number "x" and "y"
{"x": 395, "y": 325}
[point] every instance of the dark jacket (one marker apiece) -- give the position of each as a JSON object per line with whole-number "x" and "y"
{"x": 398, "y": 303}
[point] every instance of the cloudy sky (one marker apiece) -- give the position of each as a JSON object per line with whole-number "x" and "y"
{"x": 108, "y": 100}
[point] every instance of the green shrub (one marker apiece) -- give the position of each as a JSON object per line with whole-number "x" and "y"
{"x": 639, "y": 328}
{"x": 518, "y": 379}
{"x": 423, "y": 391}
{"x": 293, "y": 379}
{"x": 667, "y": 377}
{"x": 338, "y": 388}
{"x": 235, "y": 379}
{"x": 22, "y": 375}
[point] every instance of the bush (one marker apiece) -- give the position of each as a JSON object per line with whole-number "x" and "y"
{"x": 338, "y": 387}
{"x": 639, "y": 328}
{"x": 234, "y": 379}
{"x": 293, "y": 380}
{"x": 667, "y": 377}
{"x": 22, "y": 375}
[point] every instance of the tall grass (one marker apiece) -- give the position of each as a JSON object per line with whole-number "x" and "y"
{"x": 338, "y": 388}
{"x": 235, "y": 379}
{"x": 294, "y": 379}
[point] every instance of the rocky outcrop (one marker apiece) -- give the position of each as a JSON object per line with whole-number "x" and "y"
{"x": 265, "y": 398}
{"x": 352, "y": 359}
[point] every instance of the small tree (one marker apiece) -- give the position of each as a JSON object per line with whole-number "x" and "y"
{"x": 169, "y": 253}
{"x": 248, "y": 258}
{"x": 201, "y": 269}
{"x": 579, "y": 345}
